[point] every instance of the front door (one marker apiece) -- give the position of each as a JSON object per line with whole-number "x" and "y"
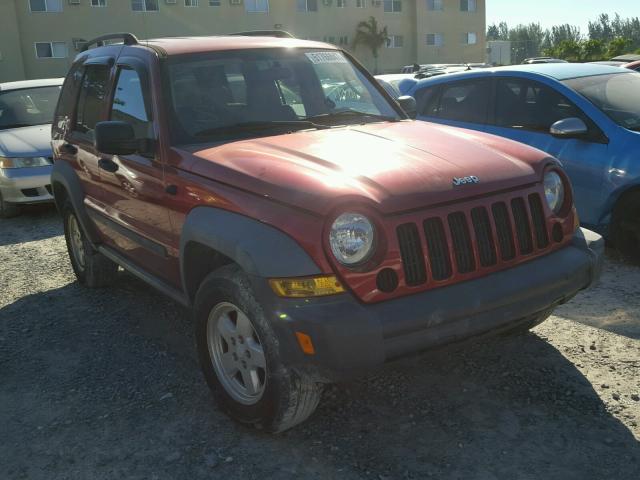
{"x": 133, "y": 185}
{"x": 526, "y": 109}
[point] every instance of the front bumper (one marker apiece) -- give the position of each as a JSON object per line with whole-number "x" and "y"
{"x": 26, "y": 185}
{"x": 350, "y": 337}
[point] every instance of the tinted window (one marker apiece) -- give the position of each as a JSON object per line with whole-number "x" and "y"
{"x": 128, "y": 102}
{"x": 530, "y": 105}
{"x": 92, "y": 94}
{"x": 69, "y": 92}
{"x": 462, "y": 101}
{"x": 426, "y": 101}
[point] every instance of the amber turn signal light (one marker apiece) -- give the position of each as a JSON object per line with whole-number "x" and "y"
{"x": 306, "y": 286}
{"x": 305, "y": 343}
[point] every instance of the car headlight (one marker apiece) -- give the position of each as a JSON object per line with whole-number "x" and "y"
{"x": 554, "y": 191}
{"x": 23, "y": 162}
{"x": 352, "y": 238}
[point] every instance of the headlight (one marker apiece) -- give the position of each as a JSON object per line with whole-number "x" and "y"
{"x": 23, "y": 162}
{"x": 554, "y": 191}
{"x": 352, "y": 238}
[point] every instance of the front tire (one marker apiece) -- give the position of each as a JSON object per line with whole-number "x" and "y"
{"x": 239, "y": 356}
{"x": 91, "y": 267}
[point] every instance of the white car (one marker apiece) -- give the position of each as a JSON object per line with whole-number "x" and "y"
{"x": 26, "y": 113}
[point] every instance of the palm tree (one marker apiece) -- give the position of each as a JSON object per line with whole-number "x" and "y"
{"x": 369, "y": 35}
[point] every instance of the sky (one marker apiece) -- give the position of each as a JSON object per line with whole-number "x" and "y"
{"x": 554, "y": 12}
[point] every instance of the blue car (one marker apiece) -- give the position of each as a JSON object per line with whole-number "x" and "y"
{"x": 586, "y": 115}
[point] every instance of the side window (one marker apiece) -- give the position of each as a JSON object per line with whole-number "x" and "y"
{"x": 531, "y": 105}
{"x": 463, "y": 101}
{"x": 128, "y": 102}
{"x": 91, "y": 100}
{"x": 69, "y": 93}
{"x": 426, "y": 101}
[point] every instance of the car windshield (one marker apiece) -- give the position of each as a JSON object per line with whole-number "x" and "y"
{"x": 617, "y": 95}
{"x": 28, "y": 106}
{"x": 235, "y": 94}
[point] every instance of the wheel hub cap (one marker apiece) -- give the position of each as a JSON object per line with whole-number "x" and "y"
{"x": 236, "y": 353}
{"x": 77, "y": 245}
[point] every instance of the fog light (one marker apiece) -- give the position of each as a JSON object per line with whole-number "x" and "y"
{"x": 306, "y": 287}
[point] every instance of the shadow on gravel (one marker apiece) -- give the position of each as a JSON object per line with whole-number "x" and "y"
{"x": 103, "y": 384}
{"x": 35, "y": 222}
{"x": 612, "y": 305}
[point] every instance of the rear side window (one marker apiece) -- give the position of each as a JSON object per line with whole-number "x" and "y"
{"x": 91, "y": 100}
{"x": 529, "y": 105}
{"x": 69, "y": 93}
{"x": 462, "y": 101}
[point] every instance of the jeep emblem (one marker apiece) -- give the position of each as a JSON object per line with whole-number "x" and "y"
{"x": 465, "y": 180}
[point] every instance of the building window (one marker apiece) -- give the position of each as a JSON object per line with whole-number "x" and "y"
{"x": 434, "y": 5}
{"x": 435, "y": 39}
{"x": 214, "y": 3}
{"x": 468, "y": 5}
{"x": 256, "y": 6}
{"x": 470, "y": 38}
{"x": 144, "y": 5}
{"x": 360, "y": 3}
{"x": 393, "y": 6}
{"x": 329, "y": 39}
{"x": 51, "y": 50}
{"x": 191, "y": 3}
{"x": 395, "y": 41}
{"x": 341, "y": 3}
{"x": 307, "y": 5}
{"x": 45, "y": 5}
{"x": 98, "y": 3}
{"x": 343, "y": 40}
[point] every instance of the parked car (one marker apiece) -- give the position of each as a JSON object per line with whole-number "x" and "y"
{"x": 397, "y": 84}
{"x": 312, "y": 243}
{"x": 588, "y": 116}
{"x": 627, "y": 58}
{"x": 26, "y": 112}
{"x": 635, "y": 66}
{"x": 536, "y": 60}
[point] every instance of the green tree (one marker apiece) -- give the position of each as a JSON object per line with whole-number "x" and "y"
{"x": 618, "y": 46}
{"x": 593, "y": 50}
{"x": 371, "y": 36}
{"x": 569, "y": 50}
{"x": 498, "y": 32}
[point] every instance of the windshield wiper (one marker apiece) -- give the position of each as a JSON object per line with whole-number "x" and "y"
{"x": 257, "y": 126}
{"x": 350, "y": 113}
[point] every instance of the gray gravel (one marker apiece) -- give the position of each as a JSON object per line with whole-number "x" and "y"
{"x": 104, "y": 384}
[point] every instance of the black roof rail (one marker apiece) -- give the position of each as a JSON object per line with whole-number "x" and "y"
{"x": 127, "y": 39}
{"x": 264, "y": 33}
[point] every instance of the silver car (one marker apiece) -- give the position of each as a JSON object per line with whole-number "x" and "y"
{"x": 26, "y": 113}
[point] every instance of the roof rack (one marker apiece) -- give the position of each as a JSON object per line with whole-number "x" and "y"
{"x": 264, "y": 33}
{"x": 127, "y": 39}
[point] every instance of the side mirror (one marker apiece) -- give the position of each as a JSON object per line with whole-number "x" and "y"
{"x": 569, "y": 128}
{"x": 408, "y": 104}
{"x": 115, "y": 138}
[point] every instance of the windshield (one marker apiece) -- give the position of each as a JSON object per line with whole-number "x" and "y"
{"x": 235, "y": 94}
{"x": 27, "y": 106}
{"x": 617, "y": 95}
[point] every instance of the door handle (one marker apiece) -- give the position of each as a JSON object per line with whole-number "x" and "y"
{"x": 68, "y": 149}
{"x": 108, "y": 165}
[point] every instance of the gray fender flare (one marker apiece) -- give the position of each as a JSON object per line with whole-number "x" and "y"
{"x": 260, "y": 249}
{"x": 64, "y": 175}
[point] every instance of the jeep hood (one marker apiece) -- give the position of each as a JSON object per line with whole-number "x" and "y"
{"x": 394, "y": 166}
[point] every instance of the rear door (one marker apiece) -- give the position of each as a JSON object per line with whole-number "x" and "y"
{"x": 463, "y": 103}
{"x": 525, "y": 109}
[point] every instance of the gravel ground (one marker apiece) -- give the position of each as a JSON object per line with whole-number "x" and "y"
{"x": 104, "y": 384}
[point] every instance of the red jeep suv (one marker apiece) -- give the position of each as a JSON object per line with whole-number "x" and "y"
{"x": 271, "y": 185}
